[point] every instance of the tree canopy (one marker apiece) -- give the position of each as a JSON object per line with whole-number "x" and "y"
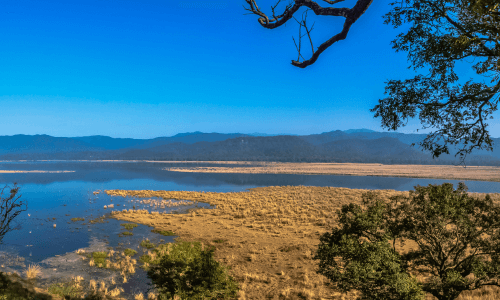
{"x": 439, "y": 241}
{"x": 442, "y": 33}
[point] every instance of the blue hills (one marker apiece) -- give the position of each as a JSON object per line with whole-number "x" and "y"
{"x": 349, "y": 146}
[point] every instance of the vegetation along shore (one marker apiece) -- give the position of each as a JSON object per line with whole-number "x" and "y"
{"x": 265, "y": 238}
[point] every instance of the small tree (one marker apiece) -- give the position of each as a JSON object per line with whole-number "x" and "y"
{"x": 7, "y": 205}
{"x": 189, "y": 272}
{"x": 455, "y": 239}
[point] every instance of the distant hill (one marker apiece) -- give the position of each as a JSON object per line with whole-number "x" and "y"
{"x": 265, "y": 134}
{"x": 110, "y": 143}
{"x": 358, "y": 130}
{"x": 21, "y": 143}
{"x": 353, "y": 145}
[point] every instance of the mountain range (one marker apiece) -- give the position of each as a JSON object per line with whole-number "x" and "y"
{"x": 350, "y": 146}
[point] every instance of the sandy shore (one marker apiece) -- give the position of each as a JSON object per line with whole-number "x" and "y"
{"x": 479, "y": 173}
{"x": 33, "y": 171}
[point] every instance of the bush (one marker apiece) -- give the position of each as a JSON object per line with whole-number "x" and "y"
{"x": 130, "y": 252}
{"x": 100, "y": 258}
{"x": 192, "y": 273}
{"x": 147, "y": 244}
{"x": 456, "y": 238}
{"x": 163, "y": 232}
{"x": 129, "y": 226}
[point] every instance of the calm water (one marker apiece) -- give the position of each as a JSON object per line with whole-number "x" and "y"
{"x": 67, "y": 195}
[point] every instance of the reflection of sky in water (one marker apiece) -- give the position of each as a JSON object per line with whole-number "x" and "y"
{"x": 68, "y": 195}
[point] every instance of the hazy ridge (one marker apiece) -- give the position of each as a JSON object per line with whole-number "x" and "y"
{"x": 350, "y": 146}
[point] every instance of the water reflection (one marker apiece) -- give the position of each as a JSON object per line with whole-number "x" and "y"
{"x": 55, "y": 198}
{"x": 141, "y": 175}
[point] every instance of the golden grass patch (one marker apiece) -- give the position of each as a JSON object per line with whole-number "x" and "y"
{"x": 482, "y": 173}
{"x": 267, "y": 235}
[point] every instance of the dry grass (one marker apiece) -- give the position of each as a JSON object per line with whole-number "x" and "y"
{"x": 33, "y": 271}
{"x": 482, "y": 173}
{"x": 267, "y": 235}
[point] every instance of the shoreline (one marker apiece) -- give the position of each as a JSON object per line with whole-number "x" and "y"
{"x": 32, "y": 171}
{"x": 475, "y": 173}
{"x": 450, "y": 172}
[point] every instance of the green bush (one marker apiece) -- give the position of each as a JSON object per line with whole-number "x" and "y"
{"x": 457, "y": 238}
{"x": 65, "y": 289}
{"x": 129, "y": 226}
{"x": 147, "y": 244}
{"x": 163, "y": 232}
{"x": 130, "y": 252}
{"x": 192, "y": 273}
{"x": 125, "y": 233}
{"x": 100, "y": 258}
{"x": 145, "y": 258}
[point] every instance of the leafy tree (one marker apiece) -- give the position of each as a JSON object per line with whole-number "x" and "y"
{"x": 455, "y": 243}
{"x": 7, "y": 205}
{"x": 189, "y": 272}
{"x": 442, "y": 33}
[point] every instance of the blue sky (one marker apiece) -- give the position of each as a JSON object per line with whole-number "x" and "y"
{"x": 143, "y": 69}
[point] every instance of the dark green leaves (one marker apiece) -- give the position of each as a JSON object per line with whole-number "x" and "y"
{"x": 453, "y": 238}
{"x": 442, "y": 33}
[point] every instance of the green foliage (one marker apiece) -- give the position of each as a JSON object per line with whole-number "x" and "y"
{"x": 145, "y": 258}
{"x": 457, "y": 240}
{"x": 442, "y": 33}
{"x": 77, "y": 219}
{"x": 130, "y": 252}
{"x": 129, "y": 226}
{"x": 121, "y": 234}
{"x": 147, "y": 244}
{"x": 65, "y": 289}
{"x": 163, "y": 232}
{"x": 192, "y": 273}
{"x": 100, "y": 258}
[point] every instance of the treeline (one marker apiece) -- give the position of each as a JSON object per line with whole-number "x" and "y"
{"x": 385, "y": 150}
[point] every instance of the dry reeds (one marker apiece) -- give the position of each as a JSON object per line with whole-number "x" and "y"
{"x": 483, "y": 173}
{"x": 33, "y": 271}
{"x": 292, "y": 213}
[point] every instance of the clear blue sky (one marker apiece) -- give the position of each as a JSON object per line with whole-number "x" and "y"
{"x": 143, "y": 69}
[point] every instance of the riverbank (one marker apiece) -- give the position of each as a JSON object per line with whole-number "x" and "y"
{"x": 267, "y": 236}
{"x": 478, "y": 173}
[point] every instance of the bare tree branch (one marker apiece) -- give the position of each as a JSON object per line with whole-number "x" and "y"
{"x": 7, "y": 205}
{"x": 351, "y": 15}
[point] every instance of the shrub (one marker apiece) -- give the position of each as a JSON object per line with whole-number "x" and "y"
{"x": 100, "y": 258}
{"x": 147, "y": 244}
{"x": 121, "y": 234}
{"x": 65, "y": 289}
{"x": 163, "y": 232}
{"x": 456, "y": 240}
{"x": 130, "y": 252}
{"x": 145, "y": 258}
{"x": 192, "y": 273}
{"x": 129, "y": 226}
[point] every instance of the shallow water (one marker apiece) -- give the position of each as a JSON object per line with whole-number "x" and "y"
{"x": 68, "y": 195}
